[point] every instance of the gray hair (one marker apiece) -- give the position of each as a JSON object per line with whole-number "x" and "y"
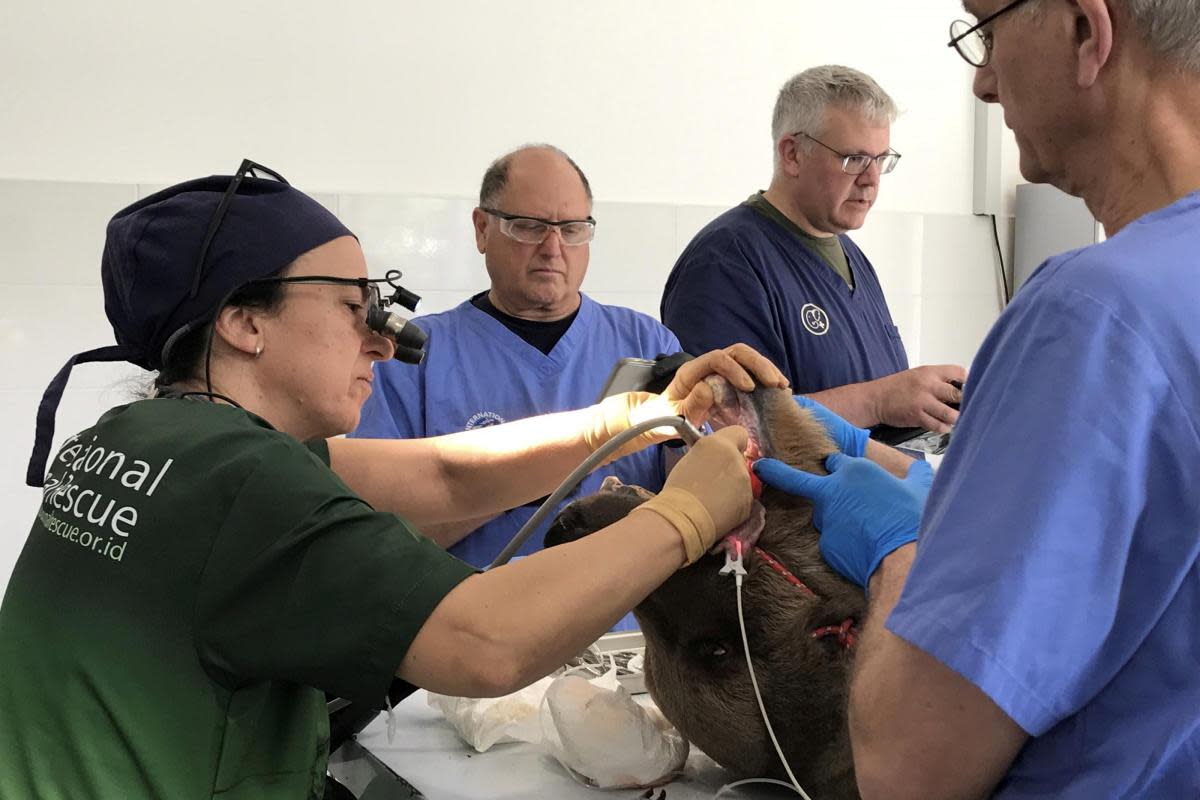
{"x": 1170, "y": 29}
{"x": 803, "y": 100}
{"x": 496, "y": 176}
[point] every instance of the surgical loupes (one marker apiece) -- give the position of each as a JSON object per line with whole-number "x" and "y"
{"x": 409, "y": 339}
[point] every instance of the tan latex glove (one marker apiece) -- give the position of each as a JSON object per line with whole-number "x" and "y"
{"x": 708, "y": 493}
{"x": 687, "y": 395}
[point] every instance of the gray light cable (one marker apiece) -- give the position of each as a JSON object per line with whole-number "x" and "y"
{"x": 687, "y": 432}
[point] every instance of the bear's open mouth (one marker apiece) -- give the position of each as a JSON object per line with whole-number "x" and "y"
{"x": 732, "y": 407}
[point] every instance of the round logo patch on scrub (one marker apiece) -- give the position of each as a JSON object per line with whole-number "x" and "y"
{"x": 815, "y": 320}
{"x": 484, "y": 419}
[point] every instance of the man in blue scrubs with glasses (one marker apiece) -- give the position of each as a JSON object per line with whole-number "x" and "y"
{"x": 1041, "y": 636}
{"x": 780, "y": 273}
{"x": 531, "y": 344}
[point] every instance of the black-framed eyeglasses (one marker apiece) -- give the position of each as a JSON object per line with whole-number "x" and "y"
{"x": 372, "y": 297}
{"x": 858, "y": 163}
{"x": 248, "y": 167}
{"x": 972, "y": 42}
{"x": 534, "y": 230}
{"x": 373, "y": 313}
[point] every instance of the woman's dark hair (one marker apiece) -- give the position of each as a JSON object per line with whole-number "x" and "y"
{"x": 185, "y": 360}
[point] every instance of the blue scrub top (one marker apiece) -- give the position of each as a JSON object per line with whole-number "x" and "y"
{"x": 745, "y": 278}
{"x": 478, "y": 373}
{"x": 1057, "y": 562}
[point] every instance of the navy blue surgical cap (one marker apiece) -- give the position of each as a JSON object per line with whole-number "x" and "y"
{"x": 149, "y": 265}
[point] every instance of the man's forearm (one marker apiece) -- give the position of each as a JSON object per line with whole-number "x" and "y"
{"x": 919, "y": 729}
{"x": 871, "y": 685}
{"x": 885, "y": 587}
{"x": 887, "y": 583}
{"x": 857, "y": 403}
{"x": 889, "y": 458}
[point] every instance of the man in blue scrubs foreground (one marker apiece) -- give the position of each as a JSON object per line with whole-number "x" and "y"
{"x": 532, "y": 344}
{"x": 779, "y": 272}
{"x": 1042, "y": 637}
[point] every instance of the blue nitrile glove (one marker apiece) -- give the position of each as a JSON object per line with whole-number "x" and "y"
{"x": 862, "y": 511}
{"x": 850, "y": 439}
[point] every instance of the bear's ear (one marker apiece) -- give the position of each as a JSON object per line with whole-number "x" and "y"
{"x": 610, "y": 483}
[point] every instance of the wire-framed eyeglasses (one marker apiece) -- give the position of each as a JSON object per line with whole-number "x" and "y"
{"x": 534, "y": 230}
{"x": 858, "y": 163}
{"x": 974, "y": 43}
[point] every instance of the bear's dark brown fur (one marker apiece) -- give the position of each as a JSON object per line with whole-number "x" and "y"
{"x": 695, "y": 665}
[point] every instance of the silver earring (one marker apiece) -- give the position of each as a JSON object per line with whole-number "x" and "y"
{"x": 258, "y": 350}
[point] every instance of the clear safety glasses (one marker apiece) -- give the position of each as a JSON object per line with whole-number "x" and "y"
{"x": 534, "y": 230}
{"x": 858, "y": 163}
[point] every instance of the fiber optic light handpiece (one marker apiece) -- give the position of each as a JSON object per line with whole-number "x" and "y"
{"x": 688, "y": 432}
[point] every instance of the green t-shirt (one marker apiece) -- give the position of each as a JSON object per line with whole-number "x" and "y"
{"x": 828, "y": 248}
{"x": 192, "y": 584}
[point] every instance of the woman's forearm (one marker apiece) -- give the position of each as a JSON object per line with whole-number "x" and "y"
{"x": 507, "y": 627}
{"x": 465, "y": 475}
{"x": 489, "y": 470}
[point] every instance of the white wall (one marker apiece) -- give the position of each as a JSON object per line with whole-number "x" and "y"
{"x": 667, "y": 101}
{"x": 392, "y": 110}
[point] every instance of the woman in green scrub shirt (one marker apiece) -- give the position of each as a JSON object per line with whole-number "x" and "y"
{"x": 208, "y": 563}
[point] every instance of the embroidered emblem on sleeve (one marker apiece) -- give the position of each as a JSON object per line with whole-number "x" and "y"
{"x": 484, "y": 419}
{"x": 815, "y": 320}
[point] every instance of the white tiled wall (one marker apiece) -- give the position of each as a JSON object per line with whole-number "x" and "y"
{"x": 937, "y": 270}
